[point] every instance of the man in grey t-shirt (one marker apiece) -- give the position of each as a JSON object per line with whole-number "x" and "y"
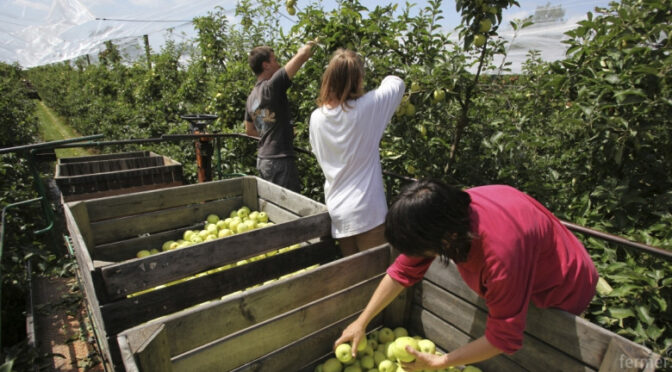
{"x": 267, "y": 115}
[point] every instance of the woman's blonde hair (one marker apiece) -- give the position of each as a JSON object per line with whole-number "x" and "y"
{"x": 343, "y": 78}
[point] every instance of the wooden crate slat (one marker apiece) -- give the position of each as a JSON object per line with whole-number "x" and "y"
{"x": 118, "y": 155}
{"x": 534, "y": 354}
{"x": 301, "y": 352}
{"x": 294, "y": 202}
{"x": 112, "y": 230}
{"x": 551, "y": 326}
{"x": 153, "y": 355}
{"x": 112, "y": 165}
{"x": 126, "y": 205}
{"x": 250, "y": 193}
{"x": 448, "y": 338}
{"x": 622, "y": 355}
{"x": 121, "y": 250}
{"x": 129, "y": 312}
{"x": 275, "y": 213}
{"x": 135, "y": 275}
{"x": 272, "y": 334}
{"x": 199, "y": 326}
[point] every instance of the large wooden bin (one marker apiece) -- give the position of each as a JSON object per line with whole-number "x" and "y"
{"x": 107, "y": 232}
{"x": 291, "y": 325}
{"x": 103, "y": 175}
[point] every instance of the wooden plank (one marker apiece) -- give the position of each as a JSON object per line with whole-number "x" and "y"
{"x": 250, "y": 193}
{"x": 119, "y": 155}
{"x": 79, "y": 227}
{"x": 264, "y": 337}
{"x": 304, "y": 352}
{"x": 534, "y": 355}
{"x": 126, "y": 205}
{"x": 127, "y": 249}
{"x": 122, "y": 228}
{"x": 129, "y": 312}
{"x": 554, "y": 327}
{"x": 153, "y": 356}
{"x": 276, "y": 213}
{"x": 194, "y": 327}
{"x": 622, "y": 356}
{"x": 290, "y": 200}
{"x": 127, "y": 190}
{"x": 142, "y": 273}
{"x": 448, "y": 338}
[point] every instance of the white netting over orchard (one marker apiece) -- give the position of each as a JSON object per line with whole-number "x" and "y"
{"x": 38, "y": 32}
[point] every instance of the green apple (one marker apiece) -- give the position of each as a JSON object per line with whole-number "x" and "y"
{"x": 378, "y": 357}
{"x": 427, "y": 346}
{"x": 367, "y": 362}
{"x": 319, "y": 368}
{"x": 234, "y": 213}
{"x": 233, "y": 224}
{"x": 361, "y": 346}
{"x": 373, "y": 342}
{"x": 243, "y": 212}
{"x": 242, "y": 227}
{"x": 484, "y": 26}
{"x": 400, "y": 348}
{"x": 166, "y": 245}
{"x": 203, "y": 233}
{"x": 387, "y": 366}
{"x": 471, "y": 369}
{"x": 385, "y": 335}
{"x": 439, "y": 95}
{"x": 211, "y": 228}
{"x": 210, "y": 237}
{"x": 333, "y": 365}
{"x": 391, "y": 350}
{"x": 175, "y": 245}
{"x": 410, "y": 109}
{"x": 415, "y": 87}
{"x": 252, "y": 224}
{"x": 224, "y": 233}
{"x": 353, "y": 368}
{"x": 222, "y": 224}
{"x": 291, "y": 10}
{"x": 188, "y": 234}
{"x": 254, "y": 215}
{"x": 479, "y": 40}
{"x": 400, "y": 332}
{"x": 143, "y": 253}
{"x": 261, "y": 224}
{"x": 154, "y": 251}
{"x": 212, "y": 218}
{"x": 343, "y": 353}
{"x": 196, "y": 239}
{"x": 262, "y": 217}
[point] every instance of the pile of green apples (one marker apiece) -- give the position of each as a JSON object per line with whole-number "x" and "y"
{"x": 383, "y": 350}
{"x": 239, "y": 221}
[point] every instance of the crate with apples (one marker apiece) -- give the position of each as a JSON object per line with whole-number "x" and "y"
{"x": 149, "y": 254}
{"x": 95, "y": 176}
{"x": 292, "y": 324}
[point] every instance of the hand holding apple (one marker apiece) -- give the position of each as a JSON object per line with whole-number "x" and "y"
{"x": 422, "y": 360}
{"x": 354, "y": 333}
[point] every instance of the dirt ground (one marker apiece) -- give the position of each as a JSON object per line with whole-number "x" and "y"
{"x": 62, "y": 327}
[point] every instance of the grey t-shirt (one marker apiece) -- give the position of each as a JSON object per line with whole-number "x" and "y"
{"x": 268, "y": 108}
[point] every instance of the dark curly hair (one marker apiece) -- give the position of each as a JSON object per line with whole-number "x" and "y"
{"x": 429, "y": 216}
{"x": 257, "y": 57}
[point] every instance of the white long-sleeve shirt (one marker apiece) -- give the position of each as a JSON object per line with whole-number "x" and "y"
{"x": 346, "y": 144}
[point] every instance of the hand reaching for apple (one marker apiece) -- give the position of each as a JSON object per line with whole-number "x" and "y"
{"x": 422, "y": 361}
{"x": 354, "y": 334}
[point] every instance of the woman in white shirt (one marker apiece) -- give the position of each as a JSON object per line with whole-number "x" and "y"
{"x": 345, "y": 134}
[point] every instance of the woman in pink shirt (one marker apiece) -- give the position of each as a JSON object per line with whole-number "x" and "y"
{"x": 507, "y": 247}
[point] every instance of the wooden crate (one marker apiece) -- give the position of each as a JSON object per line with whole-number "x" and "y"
{"x": 97, "y": 176}
{"x": 291, "y": 326}
{"x": 107, "y": 233}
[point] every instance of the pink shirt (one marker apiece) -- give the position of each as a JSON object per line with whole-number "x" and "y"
{"x": 522, "y": 253}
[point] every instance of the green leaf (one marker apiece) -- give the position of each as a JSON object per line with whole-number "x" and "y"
{"x": 644, "y": 315}
{"x": 621, "y": 313}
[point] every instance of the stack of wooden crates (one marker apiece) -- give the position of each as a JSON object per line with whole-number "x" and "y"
{"x": 97, "y": 176}
{"x": 227, "y": 321}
